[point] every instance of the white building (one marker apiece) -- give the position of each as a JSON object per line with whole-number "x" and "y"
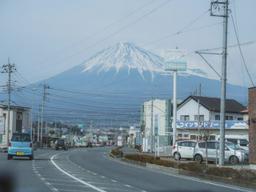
{"x": 198, "y": 115}
{"x": 155, "y": 120}
{"x": 19, "y": 122}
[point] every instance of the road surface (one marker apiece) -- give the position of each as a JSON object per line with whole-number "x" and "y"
{"x": 82, "y": 170}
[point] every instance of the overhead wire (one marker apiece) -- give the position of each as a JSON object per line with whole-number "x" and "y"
{"x": 241, "y": 52}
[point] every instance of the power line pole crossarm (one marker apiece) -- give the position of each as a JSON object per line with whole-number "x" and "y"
{"x": 8, "y": 68}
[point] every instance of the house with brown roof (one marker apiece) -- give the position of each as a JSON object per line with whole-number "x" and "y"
{"x": 197, "y": 114}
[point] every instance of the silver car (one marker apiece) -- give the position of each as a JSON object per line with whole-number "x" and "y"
{"x": 233, "y": 154}
{"x": 184, "y": 149}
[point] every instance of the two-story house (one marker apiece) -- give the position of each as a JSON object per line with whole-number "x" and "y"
{"x": 197, "y": 114}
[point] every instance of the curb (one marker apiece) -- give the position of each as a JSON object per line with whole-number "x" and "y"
{"x": 174, "y": 171}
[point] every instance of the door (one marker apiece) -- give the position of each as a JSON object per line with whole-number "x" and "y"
{"x": 186, "y": 149}
{"x": 212, "y": 150}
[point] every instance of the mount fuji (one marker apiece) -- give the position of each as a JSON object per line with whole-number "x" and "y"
{"x": 111, "y": 86}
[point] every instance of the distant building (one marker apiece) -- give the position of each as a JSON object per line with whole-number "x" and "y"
{"x": 134, "y": 136}
{"x": 155, "y": 122}
{"x": 197, "y": 116}
{"x": 20, "y": 121}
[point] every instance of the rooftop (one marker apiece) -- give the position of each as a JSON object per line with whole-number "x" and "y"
{"x": 213, "y": 104}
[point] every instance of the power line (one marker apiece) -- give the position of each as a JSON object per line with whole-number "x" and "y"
{"x": 120, "y": 29}
{"x": 108, "y": 26}
{"x": 241, "y": 52}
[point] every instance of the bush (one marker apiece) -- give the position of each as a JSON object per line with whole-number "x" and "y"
{"x": 150, "y": 159}
{"x": 242, "y": 175}
{"x": 117, "y": 152}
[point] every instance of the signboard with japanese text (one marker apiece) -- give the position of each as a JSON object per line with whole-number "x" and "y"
{"x": 230, "y": 124}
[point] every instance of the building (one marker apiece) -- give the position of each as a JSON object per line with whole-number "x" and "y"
{"x": 20, "y": 121}
{"x": 198, "y": 116}
{"x": 134, "y": 137}
{"x": 155, "y": 123}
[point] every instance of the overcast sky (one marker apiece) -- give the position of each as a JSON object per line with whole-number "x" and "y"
{"x": 46, "y": 37}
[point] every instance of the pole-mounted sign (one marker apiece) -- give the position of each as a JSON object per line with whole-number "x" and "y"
{"x": 175, "y": 61}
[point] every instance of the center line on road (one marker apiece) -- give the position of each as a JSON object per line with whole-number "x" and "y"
{"x": 75, "y": 178}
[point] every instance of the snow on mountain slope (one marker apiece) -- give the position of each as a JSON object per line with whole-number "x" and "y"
{"x": 125, "y": 56}
{"x": 131, "y": 57}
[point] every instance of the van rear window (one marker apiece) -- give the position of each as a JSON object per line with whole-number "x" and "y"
{"x": 21, "y": 137}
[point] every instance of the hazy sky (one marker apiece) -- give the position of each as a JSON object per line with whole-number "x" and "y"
{"x": 47, "y": 37}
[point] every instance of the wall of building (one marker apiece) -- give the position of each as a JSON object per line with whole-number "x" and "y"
{"x": 159, "y": 117}
{"x": 13, "y": 118}
{"x": 191, "y": 108}
{"x": 235, "y": 116}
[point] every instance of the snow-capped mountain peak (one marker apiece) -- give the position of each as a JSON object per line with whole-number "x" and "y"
{"x": 124, "y": 56}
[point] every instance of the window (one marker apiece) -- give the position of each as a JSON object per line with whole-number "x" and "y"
{"x": 193, "y": 137}
{"x": 212, "y": 137}
{"x": 229, "y": 117}
{"x": 187, "y": 144}
{"x": 184, "y": 117}
{"x": 232, "y": 141}
{"x": 20, "y": 137}
{"x": 186, "y": 135}
{"x": 1, "y": 138}
{"x": 201, "y": 145}
{"x": 211, "y": 145}
{"x": 179, "y": 135}
{"x": 217, "y": 117}
{"x": 240, "y": 118}
{"x": 201, "y": 118}
{"x": 244, "y": 142}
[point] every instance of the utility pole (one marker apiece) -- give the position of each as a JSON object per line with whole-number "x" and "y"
{"x": 152, "y": 128}
{"x": 174, "y": 122}
{"x": 8, "y": 68}
{"x": 45, "y": 87}
{"x": 219, "y": 8}
{"x": 38, "y": 125}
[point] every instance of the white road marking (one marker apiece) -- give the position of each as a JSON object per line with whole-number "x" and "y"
{"x": 73, "y": 177}
{"x": 235, "y": 188}
{"x": 128, "y": 186}
{"x": 114, "y": 181}
{"x": 54, "y": 189}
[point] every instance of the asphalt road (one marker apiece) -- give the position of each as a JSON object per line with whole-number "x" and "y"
{"x": 82, "y": 170}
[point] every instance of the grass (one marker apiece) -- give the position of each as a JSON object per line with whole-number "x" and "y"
{"x": 242, "y": 176}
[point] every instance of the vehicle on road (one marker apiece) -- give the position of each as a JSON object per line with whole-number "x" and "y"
{"x": 61, "y": 144}
{"x": 184, "y": 149}
{"x": 20, "y": 146}
{"x": 233, "y": 154}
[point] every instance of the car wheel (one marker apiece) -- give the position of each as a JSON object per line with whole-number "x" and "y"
{"x": 9, "y": 157}
{"x": 177, "y": 156}
{"x": 198, "y": 158}
{"x": 233, "y": 160}
{"x": 31, "y": 157}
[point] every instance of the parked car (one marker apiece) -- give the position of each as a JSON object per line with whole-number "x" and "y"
{"x": 61, "y": 144}
{"x": 184, "y": 149}
{"x": 241, "y": 143}
{"x": 20, "y": 146}
{"x": 233, "y": 154}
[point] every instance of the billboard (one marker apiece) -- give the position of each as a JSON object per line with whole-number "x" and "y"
{"x": 176, "y": 65}
{"x": 230, "y": 124}
{"x": 175, "y": 60}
